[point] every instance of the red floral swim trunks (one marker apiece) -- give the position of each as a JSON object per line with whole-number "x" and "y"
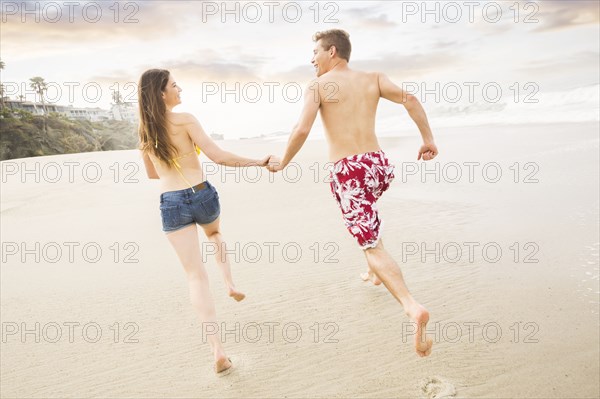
{"x": 357, "y": 182}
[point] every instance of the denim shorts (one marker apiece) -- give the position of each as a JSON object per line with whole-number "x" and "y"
{"x": 179, "y": 209}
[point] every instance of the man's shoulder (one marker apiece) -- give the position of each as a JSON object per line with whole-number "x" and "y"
{"x": 373, "y": 74}
{"x": 366, "y": 73}
{"x": 354, "y": 74}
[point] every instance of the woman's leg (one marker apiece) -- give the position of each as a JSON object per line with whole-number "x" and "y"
{"x": 186, "y": 245}
{"x": 213, "y": 233}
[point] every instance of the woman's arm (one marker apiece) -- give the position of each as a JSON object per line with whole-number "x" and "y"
{"x": 212, "y": 150}
{"x": 150, "y": 169}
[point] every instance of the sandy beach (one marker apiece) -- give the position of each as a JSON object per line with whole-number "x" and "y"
{"x": 498, "y": 238}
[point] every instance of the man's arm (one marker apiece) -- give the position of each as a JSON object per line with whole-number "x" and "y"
{"x": 312, "y": 102}
{"x": 150, "y": 169}
{"x": 392, "y": 92}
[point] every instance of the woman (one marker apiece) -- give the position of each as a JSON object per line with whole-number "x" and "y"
{"x": 169, "y": 143}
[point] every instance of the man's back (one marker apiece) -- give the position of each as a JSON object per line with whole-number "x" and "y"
{"x": 348, "y": 107}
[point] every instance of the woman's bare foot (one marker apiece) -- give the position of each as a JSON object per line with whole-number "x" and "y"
{"x": 235, "y": 294}
{"x": 419, "y": 315}
{"x": 369, "y": 275}
{"x": 222, "y": 364}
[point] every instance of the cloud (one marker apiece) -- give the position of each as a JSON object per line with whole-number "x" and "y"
{"x": 395, "y": 65}
{"x": 226, "y": 64}
{"x": 581, "y": 61}
{"x": 203, "y": 65}
{"x": 374, "y": 16}
{"x": 444, "y": 44}
{"x": 60, "y": 28}
{"x": 561, "y": 14}
{"x": 410, "y": 65}
{"x": 213, "y": 71}
{"x": 301, "y": 74}
{"x": 579, "y": 68}
{"x": 118, "y": 76}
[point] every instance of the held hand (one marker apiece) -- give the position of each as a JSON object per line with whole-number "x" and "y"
{"x": 427, "y": 152}
{"x": 264, "y": 161}
{"x": 274, "y": 164}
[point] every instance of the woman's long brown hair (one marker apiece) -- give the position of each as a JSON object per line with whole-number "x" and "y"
{"x": 153, "y": 116}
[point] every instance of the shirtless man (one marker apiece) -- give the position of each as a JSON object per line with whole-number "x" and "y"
{"x": 361, "y": 173}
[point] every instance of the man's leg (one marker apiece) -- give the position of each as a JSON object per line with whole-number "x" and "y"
{"x": 370, "y": 276}
{"x": 388, "y": 271}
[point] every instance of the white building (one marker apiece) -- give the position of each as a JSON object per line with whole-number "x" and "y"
{"x": 124, "y": 112}
{"x": 86, "y": 114}
{"x": 33, "y": 107}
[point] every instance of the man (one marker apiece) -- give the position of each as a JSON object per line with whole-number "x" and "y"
{"x": 361, "y": 173}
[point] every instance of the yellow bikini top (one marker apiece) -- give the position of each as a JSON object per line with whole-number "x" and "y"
{"x": 178, "y": 167}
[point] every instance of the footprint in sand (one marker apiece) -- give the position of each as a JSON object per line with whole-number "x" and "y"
{"x": 435, "y": 388}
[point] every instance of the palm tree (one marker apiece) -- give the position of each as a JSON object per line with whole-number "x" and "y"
{"x": 39, "y": 85}
{"x": 117, "y": 98}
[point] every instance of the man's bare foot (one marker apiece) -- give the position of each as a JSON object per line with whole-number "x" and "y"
{"x": 369, "y": 275}
{"x": 222, "y": 364}
{"x": 235, "y": 294}
{"x": 419, "y": 315}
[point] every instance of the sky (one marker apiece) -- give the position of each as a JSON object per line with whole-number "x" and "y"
{"x": 243, "y": 65}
